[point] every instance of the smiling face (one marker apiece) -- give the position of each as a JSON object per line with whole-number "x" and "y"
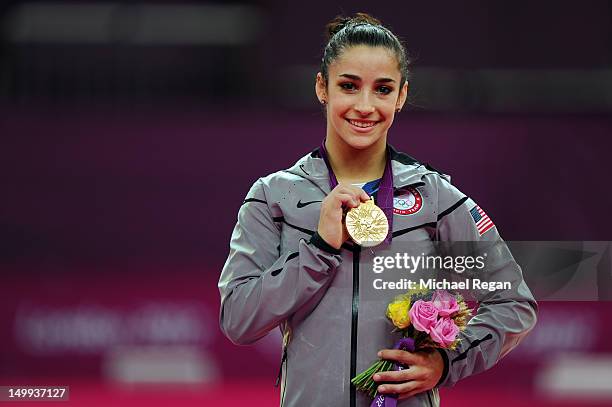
{"x": 362, "y": 95}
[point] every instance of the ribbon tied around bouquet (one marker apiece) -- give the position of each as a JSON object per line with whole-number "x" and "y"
{"x": 390, "y": 400}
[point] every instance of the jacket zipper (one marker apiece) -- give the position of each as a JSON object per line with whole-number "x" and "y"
{"x": 280, "y": 375}
{"x": 429, "y": 398}
{"x": 354, "y": 319}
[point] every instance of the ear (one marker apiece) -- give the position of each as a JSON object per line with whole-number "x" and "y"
{"x": 403, "y": 95}
{"x": 320, "y": 87}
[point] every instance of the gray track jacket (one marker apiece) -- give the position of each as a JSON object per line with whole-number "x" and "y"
{"x": 331, "y": 318}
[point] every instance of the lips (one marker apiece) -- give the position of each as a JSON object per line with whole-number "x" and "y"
{"x": 362, "y": 125}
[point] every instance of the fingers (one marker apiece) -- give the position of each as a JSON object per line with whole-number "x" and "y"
{"x": 402, "y": 389}
{"x": 331, "y": 227}
{"x": 423, "y": 372}
{"x": 358, "y": 194}
{"x": 352, "y": 189}
{"x": 363, "y": 195}
{"x": 401, "y": 356}
{"x": 347, "y": 200}
{"x": 412, "y": 373}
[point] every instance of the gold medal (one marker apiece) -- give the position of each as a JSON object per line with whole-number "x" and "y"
{"x": 367, "y": 224}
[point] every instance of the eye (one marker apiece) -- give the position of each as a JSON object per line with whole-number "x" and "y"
{"x": 348, "y": 86}
{"x": 385, "y": 90}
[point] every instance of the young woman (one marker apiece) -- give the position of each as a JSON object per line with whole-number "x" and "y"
{"x": 292, "y": 264}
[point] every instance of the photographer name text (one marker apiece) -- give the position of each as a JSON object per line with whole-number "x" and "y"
{"x": 435, "y": 284}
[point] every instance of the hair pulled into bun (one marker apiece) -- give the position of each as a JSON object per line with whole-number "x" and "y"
{"x": 361, "y": 29}
{"x": 340, "y": 22}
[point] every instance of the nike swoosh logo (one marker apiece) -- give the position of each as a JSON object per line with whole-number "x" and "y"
{"x": 301, "y": 205}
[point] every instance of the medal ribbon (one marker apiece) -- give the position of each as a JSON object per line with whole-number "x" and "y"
{"x": 384, "y": 196}
{"x": 390, "y": 400}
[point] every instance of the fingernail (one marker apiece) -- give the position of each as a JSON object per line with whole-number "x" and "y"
{"x": 381, "y": 388}
{"x": 376, "y": 377}
{"x": 380, "y": 354}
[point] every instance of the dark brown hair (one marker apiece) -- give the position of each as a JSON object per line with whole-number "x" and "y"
{"x": 361, "y": 29}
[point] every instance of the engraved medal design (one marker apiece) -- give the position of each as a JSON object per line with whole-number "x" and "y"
{"x": 367, "y": 224}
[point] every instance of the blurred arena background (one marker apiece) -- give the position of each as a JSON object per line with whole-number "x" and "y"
{"x": 131, "y": 131}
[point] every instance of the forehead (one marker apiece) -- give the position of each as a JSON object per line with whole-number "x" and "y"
{"x": 366, "y": 61}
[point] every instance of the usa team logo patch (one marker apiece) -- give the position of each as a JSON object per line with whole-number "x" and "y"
{"x": 409, "y": 203}
{"x": 481, "y": 219}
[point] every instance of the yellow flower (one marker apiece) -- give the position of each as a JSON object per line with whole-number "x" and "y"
{"x": 397, "y": 311}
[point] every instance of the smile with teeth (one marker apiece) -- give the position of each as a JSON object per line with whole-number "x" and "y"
{"x": 361, "y": 124}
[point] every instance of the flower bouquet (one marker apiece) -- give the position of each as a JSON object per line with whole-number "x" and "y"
{"x": 427, "y": 320}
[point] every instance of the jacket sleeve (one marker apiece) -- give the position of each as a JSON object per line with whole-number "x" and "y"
{"x": 504, "y": 317}
{"x": 259, "y": 287}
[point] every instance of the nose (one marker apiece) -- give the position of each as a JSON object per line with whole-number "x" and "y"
{"x": 364, "y": 105}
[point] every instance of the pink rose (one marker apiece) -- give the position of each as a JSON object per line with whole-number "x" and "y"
{"x": 445, "y": 302}
{"x": 423, "y": 315}
{"x": 444, "y": 332}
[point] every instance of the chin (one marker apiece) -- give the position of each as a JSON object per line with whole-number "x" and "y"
{"x": 361, "y": 142}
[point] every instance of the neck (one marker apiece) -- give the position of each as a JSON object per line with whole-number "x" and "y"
{"x": 351, "y": 165}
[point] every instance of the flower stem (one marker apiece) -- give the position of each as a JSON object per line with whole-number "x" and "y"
{"x": 364, "y": 382}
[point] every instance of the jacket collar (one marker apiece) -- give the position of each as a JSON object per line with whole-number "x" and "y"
{"x": 406, "y": 169}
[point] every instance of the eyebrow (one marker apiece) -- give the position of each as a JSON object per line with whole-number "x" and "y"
{"x": 357, "y": 78}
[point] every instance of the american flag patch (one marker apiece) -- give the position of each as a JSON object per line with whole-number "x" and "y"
{"x": 482, "y": 220}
